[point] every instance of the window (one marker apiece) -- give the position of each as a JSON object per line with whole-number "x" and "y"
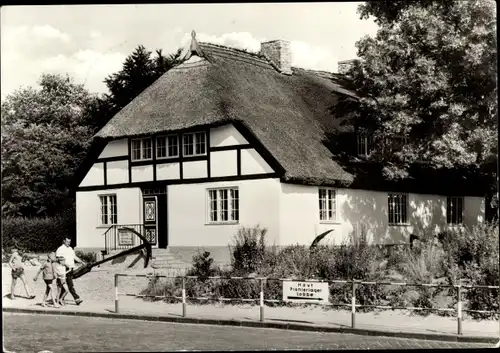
{"x": 365, "y": 143}
{"x": 194, "y": 144}
{"x": 167, "y": 146}
{"x": 397, "y": 205}
{"x": 327, "y": 205}
{"x": 395, "y": 143}
{"x": 108, "y": 210}
{"x": 142, "y": 149}
{"x": 223, "y": 205}
{"x": 454, "y": 210}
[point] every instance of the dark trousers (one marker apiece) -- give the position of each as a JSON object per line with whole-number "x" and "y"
{"x": 71, "y": 286}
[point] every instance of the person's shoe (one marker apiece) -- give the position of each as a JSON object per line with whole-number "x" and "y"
{"x": 78, "y": 301}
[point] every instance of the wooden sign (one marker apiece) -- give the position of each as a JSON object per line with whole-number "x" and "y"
{"x": 125, "y": 237}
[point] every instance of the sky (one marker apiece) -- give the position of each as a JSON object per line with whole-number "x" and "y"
{"x": 90, "y": 42}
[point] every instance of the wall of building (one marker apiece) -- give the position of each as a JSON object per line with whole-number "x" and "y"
{"x": 89, "y": 231}
{"x": 232, "y": 154}
{"x": 115, "y": 148}
{"x": 259, "y": 203}
{"x": 299, "y": 215}
{"x": 226, "y": 135}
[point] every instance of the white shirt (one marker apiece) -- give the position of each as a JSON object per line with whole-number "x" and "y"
{"x": 69, "y": 255}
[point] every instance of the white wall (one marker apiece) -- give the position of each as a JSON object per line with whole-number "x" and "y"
{"x": 89, "y": 232}
{"x": 168, "y": 171}
{"x": 223, "y": 163}
{"x": 226, "y": 135}
{"x": 95, "y": 176}
{"x": 187, "y": 212}
{"x": 115, "y": 148}
{"x": 117, "y": 172}
{"x": 142, "y": 173}
{"x": 474, "y": 210}
{"x": 253, "y": 163}
{"x": 299, "y": 217}
{"x": 194, "y": 169}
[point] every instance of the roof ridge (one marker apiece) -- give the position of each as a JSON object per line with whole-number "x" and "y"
{"x": 239, "y": 51}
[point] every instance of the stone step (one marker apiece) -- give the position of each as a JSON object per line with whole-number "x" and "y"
{"x": 170, "y": 263}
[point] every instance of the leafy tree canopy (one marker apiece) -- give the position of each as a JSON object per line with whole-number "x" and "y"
{"x": 428, "y": 77}
{"x": 44, "y": 136}
{"x": 139, "y": 71}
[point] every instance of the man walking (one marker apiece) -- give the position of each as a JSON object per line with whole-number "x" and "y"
{"x": 66, "y": 251}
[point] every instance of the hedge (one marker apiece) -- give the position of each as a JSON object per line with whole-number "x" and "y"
{"x": 37, "y": 234}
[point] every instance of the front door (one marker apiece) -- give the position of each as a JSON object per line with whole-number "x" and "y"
{"x": 150, "y": 206}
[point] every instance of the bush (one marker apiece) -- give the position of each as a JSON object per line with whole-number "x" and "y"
{"x": 88, "y": 257}
{"x": 37, "y": 234}
{"x": 202, "y": 266}
{"x": 486, "y": 274}
{"x": 162, "y": 287}
{"x": 248, "y": 250}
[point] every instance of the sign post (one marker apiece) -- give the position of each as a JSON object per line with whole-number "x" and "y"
{"x": 305, "y": 292}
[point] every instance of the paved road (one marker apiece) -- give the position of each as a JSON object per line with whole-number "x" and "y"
{"x": 34, "y": 333}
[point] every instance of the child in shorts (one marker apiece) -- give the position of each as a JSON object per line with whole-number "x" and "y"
{"x": 16, "y": 264}
{"x": 47, "y": 268}
{"x": 60, "y": 276}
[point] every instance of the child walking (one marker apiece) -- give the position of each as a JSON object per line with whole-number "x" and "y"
{"x": 60, "y": 275}
{"x": 16, "y": 264}
{"x": 47, "y": 268}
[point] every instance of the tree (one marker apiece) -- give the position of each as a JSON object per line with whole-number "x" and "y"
{"x": 428, "y": 80}
{"x": 139, "y": 71}
{"x": 44, "y": 137}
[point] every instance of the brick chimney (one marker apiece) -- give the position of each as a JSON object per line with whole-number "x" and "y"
{"x": 345, "y": 65}
{"x": 278, "y": 52}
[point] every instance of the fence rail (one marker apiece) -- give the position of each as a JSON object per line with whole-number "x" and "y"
{"x": 460, "y": 287}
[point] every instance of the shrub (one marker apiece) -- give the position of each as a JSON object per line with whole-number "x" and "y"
{"x": 37, "y": 234}
{"x": 202, "y": 266}
{"x": 485, "y": 274}
{"x": 162, "y": 287}
{"x": 86, "y": 256}
{"x": 248, "y": 250}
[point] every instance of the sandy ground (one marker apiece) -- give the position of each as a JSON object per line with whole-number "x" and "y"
{"x": 97, "y": 290}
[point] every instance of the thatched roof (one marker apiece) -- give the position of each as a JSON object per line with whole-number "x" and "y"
{"x": 289, "y": 114}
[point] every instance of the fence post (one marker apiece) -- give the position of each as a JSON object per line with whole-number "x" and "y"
{"x": 262, "y": 300}
{"x": 353, "y": 304}
{"x": 116, "y": 294}
{"x": 459, "y": 307}
{"x": 184, "y": 305}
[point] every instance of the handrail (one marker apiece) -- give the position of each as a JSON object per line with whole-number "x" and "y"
{"x": 110, "y": 236}
{"x": 143, "y": 238}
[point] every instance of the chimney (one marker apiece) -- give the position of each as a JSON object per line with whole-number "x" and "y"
{"x": 278, "y": 52}
{"x": 345, "y": 65}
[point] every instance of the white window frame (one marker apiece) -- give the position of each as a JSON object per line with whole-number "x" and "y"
{"x": 167, "y": 139}
{"x": 400, "y": 205}
{"x": 142, "y": 149}
{"x": 109, "y": 209}
{"x": 215, "y": 216}
{"x": 328, "y": 205}
{"x": 364, "y": 144}
{"x": 196, "y": 138}
{"x": 451, "y": 213}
